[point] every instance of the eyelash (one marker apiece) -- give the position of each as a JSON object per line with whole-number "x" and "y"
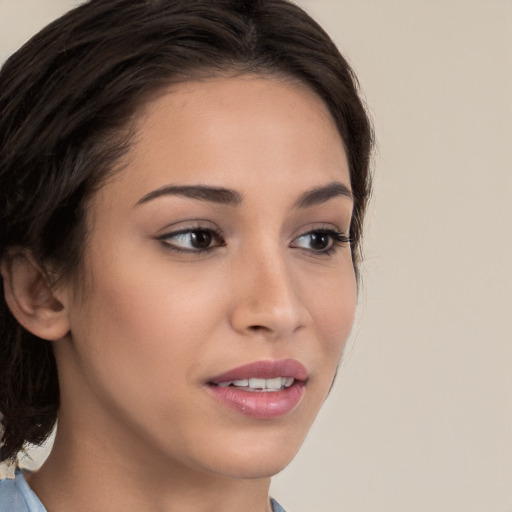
{"x": 215, "y": 234}
{"x": 337, "y": 240}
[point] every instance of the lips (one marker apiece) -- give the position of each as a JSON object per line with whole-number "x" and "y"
{"x": 265, "y": 370}
{"x": 263, "y": 389}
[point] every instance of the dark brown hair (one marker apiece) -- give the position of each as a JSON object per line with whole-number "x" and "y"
{"x": 67, "y": 98}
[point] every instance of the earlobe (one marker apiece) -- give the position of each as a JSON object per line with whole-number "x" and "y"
{"x": 31, "y": 298}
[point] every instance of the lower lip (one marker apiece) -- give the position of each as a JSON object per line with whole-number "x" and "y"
{"x": 260, "y": 404}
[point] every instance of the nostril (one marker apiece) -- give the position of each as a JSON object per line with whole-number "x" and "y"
{"x": 257, "y": 328}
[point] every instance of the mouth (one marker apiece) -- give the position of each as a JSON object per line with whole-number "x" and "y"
{"x": 263, "y": 389}
{"x": 262, "y": 385}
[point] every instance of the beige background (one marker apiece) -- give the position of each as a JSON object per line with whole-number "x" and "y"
{"x": 421, "y": 416}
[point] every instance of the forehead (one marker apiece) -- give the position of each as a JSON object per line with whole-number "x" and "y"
{"x": 241, "y": 133}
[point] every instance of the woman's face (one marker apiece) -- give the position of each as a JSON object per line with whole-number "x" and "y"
{"x": 216, "y": 256}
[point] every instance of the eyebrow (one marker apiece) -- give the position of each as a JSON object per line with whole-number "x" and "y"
{"x": 230, "y": 197}
{"x": 322, "y": 194}
{"x": 200, "y": 192}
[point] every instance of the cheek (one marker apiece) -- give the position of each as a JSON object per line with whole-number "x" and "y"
{"x": 137, "y": 345}
{"x": 333, "y": 309}
{"x": 143, "y": 312}
{"x": 148, "y": 320}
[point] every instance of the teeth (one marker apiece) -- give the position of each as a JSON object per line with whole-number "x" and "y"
{"x": 257, "y": 383}
{"x": 275, "y": 384}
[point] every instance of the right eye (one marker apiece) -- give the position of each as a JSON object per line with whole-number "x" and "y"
{"x": 194, "y": 240}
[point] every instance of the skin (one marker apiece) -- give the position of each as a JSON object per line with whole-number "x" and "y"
{"x": 137, "y": 430}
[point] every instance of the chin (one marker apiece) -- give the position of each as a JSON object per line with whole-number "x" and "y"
{"x": 264, "y": 466}
{"x": 262, "y": 458}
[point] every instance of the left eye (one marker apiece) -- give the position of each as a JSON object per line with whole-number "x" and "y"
{"x": 321, "y": 241}
{"x": 192, "y": 240}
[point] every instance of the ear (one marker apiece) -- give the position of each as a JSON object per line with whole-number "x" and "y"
{"x": 30, "y": 297}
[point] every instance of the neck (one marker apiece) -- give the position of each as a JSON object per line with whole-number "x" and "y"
{"x": 81, "y": 476}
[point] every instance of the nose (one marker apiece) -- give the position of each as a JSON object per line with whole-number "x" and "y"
{"x": 267, "y": 299}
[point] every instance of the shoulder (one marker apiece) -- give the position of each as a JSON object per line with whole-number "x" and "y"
{"x": 275, "y": 506}
{"x": 17, "y": 496}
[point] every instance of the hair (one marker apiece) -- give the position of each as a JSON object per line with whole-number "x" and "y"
{"x": 67, "y": 100}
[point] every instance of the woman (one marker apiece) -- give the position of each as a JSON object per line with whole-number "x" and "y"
{"x": 183, "y": 190}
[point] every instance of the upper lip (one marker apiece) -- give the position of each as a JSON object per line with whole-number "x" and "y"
{"x": 265, "y": 369}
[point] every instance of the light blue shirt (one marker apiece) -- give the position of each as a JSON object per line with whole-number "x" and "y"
{"x": 17, "y": 496}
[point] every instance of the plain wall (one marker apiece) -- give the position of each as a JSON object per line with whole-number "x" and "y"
{"x": 421, "y": 415}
